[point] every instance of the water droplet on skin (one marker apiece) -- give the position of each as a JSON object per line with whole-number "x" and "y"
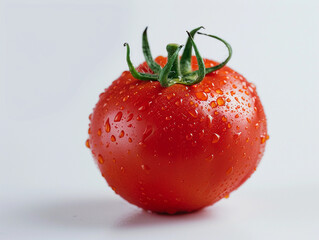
{"x": 99, "y": 132}
{"x": 121, "y": 134}
{"x": 141, "y": 108}
{"x": 122, "y": 169}
{"x": 193, "y": 113}
{"x": 215, "y": 138}
{"x": 209, "y": 158}
{"x": 213, "y": 104}
{"x": 113, "y": 138}
{"x": 87, "y": 143}
{"x": 219, "y": 91}
{"x": 230, "y": 170}
{"x": 237, "y": 135}
{"x": 145, "y": 168}
{"x": 100, "y": 159}
{"x": 189, "y": 136}
{"x": 147, "y": 132}
{"x": 125, "y": 98}
{"x": 107, "y": 126}
{"x": 220, "y": 101}
{"x": 130, "y": 117}
{"x": 118, "y": 117}
{"x": 139, "y": 118}
{"x": 202, "y": 96}
{"x": 168, "y": 118}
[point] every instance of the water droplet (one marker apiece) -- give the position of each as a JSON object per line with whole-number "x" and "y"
{"x": 113, "y": 138}
{"x": 220, "y": 101}
{"x": 99, "y": 132}
{"x": 145, "y": 168}
{"x": 237, "y": 135}
{"x": 147, "y": 132}
{"x": 209, "y": 158}
{"x": 230, "y": 170}
{"x": 100, "y": 159}
{"x": 122, "y": 169}
{"x": 121, "y": 134}
{"x": 213, "y": 104}
{"x": 215, "y": 138}
{"x": 141, "y": 108}
{"x": 189, "y": 136}
{"x": 193, "y": 113}
{"x": 118, "y": 117}
{"x": 125, "y": 98}
{"x": 107, "y": 126}
{"x": 130, "y": 117}
{"x": 87, "y": 143}
{"x": 139, "y": 118}
{"x": 219, "y": 91}
{"x": 168, "y": 118}
{"x": 202, "y": 96}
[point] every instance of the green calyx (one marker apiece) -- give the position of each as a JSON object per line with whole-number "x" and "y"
{"x": 177, "y": 69}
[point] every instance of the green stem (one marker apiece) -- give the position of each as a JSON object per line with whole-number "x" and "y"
{"x": 163, "y": 75}
{"x": 147, "y": 54}
{"x": 187, "y": 54}
{"x": 175, "y": 71}
{"x": 134, "y": 72}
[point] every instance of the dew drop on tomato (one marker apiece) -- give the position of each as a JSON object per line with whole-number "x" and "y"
{"x": 215, "y": 137}
{"x": 202, "y": 96}
{"x": 87, "y": 143}
{"x": 100, "y": 159}
{"x": 107, "y": 126}
{"x": 118, "y": 117}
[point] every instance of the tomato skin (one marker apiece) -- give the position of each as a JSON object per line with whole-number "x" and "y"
{"x": 181, "y": 148}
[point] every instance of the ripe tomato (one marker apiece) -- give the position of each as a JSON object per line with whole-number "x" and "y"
{"x": 178, "y": 148}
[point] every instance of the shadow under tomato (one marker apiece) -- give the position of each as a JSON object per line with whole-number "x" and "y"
{"x": 104, "y": 213}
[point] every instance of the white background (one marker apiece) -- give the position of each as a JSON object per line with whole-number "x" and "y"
{"x": 57, "y": 56}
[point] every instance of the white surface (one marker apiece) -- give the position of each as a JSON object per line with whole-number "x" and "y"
{"x": 57, "y": 56}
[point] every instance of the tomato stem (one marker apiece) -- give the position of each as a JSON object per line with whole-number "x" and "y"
{"x": 177, "y": 70}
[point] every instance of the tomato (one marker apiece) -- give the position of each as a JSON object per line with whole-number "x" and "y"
{"x": 178, "y": 148}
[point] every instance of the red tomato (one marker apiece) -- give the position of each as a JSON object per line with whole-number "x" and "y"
{"x": 180, "y": 148}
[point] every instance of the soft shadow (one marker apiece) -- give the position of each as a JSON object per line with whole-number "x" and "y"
{"x": 102, "y": 213}
{"x": 145, "y": 218}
